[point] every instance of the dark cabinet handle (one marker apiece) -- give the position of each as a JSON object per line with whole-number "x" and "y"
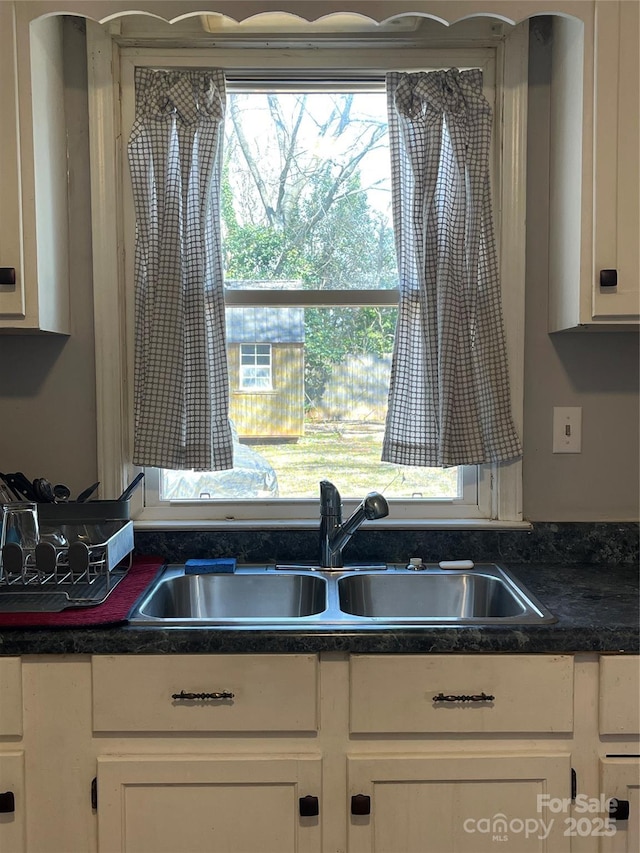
{"x": 182, "y": 696}
{"x": 608, "y": 278}
{"x": 478, "y": 697}
{"x": 7, "y": 275}
{"x": 7, "y": 803}
{"x": 618, "y": 809}
{"x": 360, "y": 804}
{"x": 309, "y": 806}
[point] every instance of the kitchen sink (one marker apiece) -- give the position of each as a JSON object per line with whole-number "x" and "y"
{"x": 434, "y": 596}
{"x": 253, "y": 596}
{"x": 302, "y": 597}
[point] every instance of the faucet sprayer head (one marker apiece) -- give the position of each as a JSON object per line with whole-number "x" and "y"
{"x": 375, "y": 506}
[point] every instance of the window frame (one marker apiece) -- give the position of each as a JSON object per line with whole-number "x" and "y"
{"x": 499, "y": 487}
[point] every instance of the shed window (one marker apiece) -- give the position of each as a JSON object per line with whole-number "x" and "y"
{"x": 255, "y": 367}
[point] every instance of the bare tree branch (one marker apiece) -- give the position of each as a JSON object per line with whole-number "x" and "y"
{"x": 283, "y": 183}
{"x": 288, "y": 147}
{"x": 250, "y": 161}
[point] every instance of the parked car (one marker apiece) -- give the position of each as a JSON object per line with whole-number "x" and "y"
{"x": 251, "y": 477}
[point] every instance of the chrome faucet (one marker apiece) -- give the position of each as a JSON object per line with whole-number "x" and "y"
{"x": 334, "y": 535}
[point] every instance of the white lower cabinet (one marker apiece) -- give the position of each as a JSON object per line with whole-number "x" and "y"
{"x": 468, "y": 803}
{"x": 331, "y": 753}
{"x": 260, "y": 797}
{"x": 208, "y": 804}
{"x": 473, "y": 782}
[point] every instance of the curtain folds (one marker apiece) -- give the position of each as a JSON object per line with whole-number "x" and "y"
{"x": 449, "y": 395}
{"x": 181, "y": 384}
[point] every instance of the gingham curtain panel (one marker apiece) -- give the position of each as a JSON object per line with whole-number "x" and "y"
{"x": 181, "y": 382}
{"x": 449, "y": 394}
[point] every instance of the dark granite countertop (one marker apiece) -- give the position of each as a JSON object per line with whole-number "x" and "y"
{"x": 597, "y": 610}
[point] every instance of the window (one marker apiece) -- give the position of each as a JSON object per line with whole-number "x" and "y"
{"x": 306, "y": 218}
{"x": 255, "y": 367}
{"x": 280, "y": 292}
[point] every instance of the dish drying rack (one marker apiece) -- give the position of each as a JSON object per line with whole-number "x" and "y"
{"x": 75, "y": 564}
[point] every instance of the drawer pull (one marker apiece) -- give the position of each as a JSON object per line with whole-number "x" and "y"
{"x": 309, "y": 806}
{"x": 7, "y": 803}
{"x": 360, "y": 804}
{"x": 191, "y": 696}
{"x": 479, "y": 697}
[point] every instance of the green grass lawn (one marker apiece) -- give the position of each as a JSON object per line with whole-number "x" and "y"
{"x": 348, "y": 454}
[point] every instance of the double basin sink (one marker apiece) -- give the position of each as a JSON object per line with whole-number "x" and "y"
{"x": 363, "y": 597}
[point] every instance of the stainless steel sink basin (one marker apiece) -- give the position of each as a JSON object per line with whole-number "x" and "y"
{"x": 299, "y": 597}
{"x": 432, "y": 596}
{"x": 253, "y": 596}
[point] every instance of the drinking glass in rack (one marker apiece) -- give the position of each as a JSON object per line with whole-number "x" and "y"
{"x": 20, "y": 529}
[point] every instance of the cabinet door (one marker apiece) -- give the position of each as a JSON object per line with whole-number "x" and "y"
{"x": 616, "y": 161}
{"x": 34, "y": 238}
{"x": 12, "y": 802}
{"x": 620, "y": 778}
{"x": 594, "y": 218}
{"x": 11, "y": 295}
{"x": 461, "y": 803}
{"x": 204, "y": 804}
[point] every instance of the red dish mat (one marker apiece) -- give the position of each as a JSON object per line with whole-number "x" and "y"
{"x": 111, "y": 612}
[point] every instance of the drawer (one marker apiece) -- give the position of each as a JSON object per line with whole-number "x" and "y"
{"x": 271, "y": 693}
{"x": 619, "y": 695}
{"x": 10, "y": 697}
{"x": 531, "y": 693}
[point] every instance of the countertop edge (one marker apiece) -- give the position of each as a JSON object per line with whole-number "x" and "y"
{"x": 134, "y": 640}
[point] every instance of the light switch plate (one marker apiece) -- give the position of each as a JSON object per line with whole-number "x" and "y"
{"x": 567, "y": 429}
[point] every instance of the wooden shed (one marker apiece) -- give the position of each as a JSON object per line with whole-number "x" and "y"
{"x": 265, "y": 349}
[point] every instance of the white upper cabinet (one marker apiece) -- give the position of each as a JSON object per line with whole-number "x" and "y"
{"x": 594, "y": 225}
{"x": 11, "y": 292}
{"x": 34, "y": 262}
{"x": 616, "y": 158}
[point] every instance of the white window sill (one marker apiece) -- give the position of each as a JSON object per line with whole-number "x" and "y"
{"x": 399, "y": 524}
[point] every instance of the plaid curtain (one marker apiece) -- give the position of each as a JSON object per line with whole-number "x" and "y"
{"x": 449, "y": 395}
{"x": 181, "y": 382}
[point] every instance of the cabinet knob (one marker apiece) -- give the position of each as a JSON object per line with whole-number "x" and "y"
{"x": 7, "y": 803}
{"x": 7, "y": 275}
{"x": 360, "y": 804}
{"x": 618, "y": 809}
{"x": 309, "y": 806}
{"x": 608, "y": 278}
